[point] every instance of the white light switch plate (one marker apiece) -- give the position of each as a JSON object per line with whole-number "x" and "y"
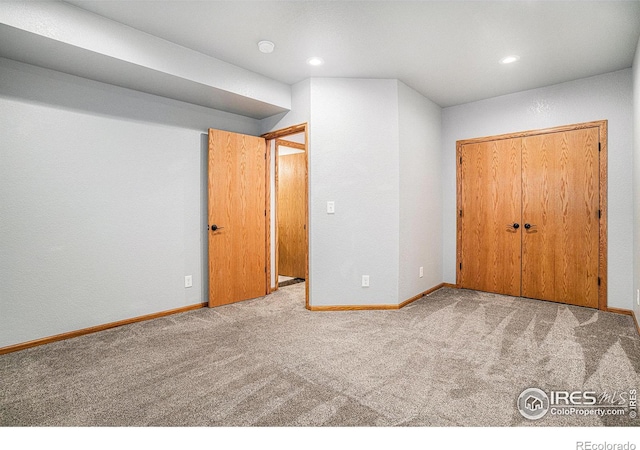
{"x": 188, "y": 281}
{"x": 365, "y": 280}
{"x": 331, "y": 207}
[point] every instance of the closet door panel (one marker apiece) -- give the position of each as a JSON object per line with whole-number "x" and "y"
{"x": 490, "y": 256}
{"x": 560, "y": 198}
{"x": 292, "y": 204}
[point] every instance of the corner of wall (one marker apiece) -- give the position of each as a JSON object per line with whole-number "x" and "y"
{"x": 420, "y": 191}
{"x": 300, "y": 109}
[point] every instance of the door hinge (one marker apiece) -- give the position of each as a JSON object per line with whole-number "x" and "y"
{"x": 599, "y": 147}
{"x": 460, "y": 266}
{"x": 460, "y": 213}
{"x": 265, "y": 213}
{"x": 461, "y": 160}
{"x": 599, "y": 281}
{"x": 599, "y": 214}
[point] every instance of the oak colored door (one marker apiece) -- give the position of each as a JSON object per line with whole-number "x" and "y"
{"x": 532, "y": 214}
{"x": 292, "y": 207}
{"x": 560, "y": 209}
{"x": 490, "y": 213}
{"x": 237, "y": 217}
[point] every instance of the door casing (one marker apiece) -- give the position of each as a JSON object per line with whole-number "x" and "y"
{"x": 297, "y": 268}
{"x": 271, "y": 136}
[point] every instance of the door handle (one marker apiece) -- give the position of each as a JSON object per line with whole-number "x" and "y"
{"x": 215, "y": 227}
{"x": 516, "y": 226}
{"x": 528, "y": 225}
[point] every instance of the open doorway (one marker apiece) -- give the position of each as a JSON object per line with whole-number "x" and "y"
{"x": 289, "y": 211}
{"x": 291, "y": 206}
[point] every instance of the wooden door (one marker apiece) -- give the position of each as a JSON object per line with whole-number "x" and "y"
{"x": 489, "y": 216}
{"x": 560, "y": 214}
{"x": 291, "y": 210}
{"x": 237, "y": 190}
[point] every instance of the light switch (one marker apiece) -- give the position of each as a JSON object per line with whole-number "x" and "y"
{"x": 331, "y": 207}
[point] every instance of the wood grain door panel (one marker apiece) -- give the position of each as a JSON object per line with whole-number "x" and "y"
{"x": 292, "y": 206}
{"x": 491, "y": 204}
{"x": 237, "y": 190}
{"x": 560, "y": 200}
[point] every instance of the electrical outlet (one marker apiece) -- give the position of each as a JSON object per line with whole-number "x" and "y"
{"x": 421, "y": 272}
{"x": 188, "y": 281}
{"x": 365, "y": 280}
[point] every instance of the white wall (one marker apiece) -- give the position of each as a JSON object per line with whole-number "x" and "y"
{"x": 374, "y": 149}
{"x": 354, "y": 162}
{"x": 636, "y": 178}
{"x": 420, "y": 193}
{"x": 103, "y": 190}
{"x": 102, "y": 211}
{"x": 606, "y": 96}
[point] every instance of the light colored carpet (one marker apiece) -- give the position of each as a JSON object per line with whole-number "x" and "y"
{"x": 454, "y": 358}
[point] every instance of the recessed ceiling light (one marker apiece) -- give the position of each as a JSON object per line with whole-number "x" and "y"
{"x": 315, "y": 61}
{"x": 266, "y": 46}
{"x": 509, "y": 59}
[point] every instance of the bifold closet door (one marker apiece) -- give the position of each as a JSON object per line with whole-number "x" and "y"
{"x": 490, "y": 253}
{"x": 560, "y": 207}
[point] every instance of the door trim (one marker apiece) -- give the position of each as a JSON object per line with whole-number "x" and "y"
{"x": 269, "y": 137}
{"x": 302, "y": 147}
{"x": 603, "y": 245}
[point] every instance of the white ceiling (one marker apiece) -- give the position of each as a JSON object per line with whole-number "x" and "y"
{"x": 446, "y": 50}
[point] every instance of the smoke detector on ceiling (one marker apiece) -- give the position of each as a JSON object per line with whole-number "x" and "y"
{"x": 266, "y": 46}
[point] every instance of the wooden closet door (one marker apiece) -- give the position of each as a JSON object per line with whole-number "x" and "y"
{"x": 292, "y": 207}
{"x": 560, "y": 198}
{"x": 490, "y": 226}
